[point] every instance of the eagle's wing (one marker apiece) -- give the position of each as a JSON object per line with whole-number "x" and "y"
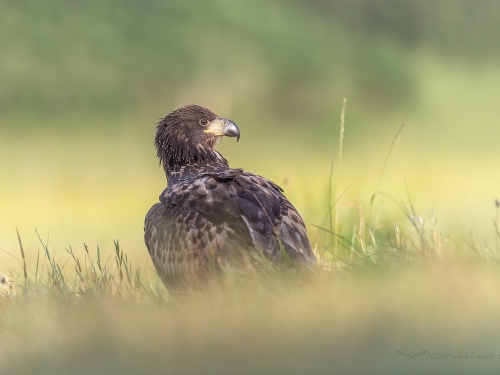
{"x": 273, "y": 222}
{"x": 213, "y": 215}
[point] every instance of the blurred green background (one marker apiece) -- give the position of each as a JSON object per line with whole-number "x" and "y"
{"x": 83, "y": 82}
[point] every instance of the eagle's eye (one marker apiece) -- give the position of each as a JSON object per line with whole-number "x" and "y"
{"x": 203, "y": 122}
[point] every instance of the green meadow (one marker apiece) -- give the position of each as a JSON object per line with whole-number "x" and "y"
{"x": 397, "y": 186}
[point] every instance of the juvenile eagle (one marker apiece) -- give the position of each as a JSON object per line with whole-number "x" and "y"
{"x": 211, "y": 213}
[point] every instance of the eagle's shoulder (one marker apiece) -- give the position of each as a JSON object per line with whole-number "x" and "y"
{"x": 238, "y": 197}
{"x": 232, "y": 191}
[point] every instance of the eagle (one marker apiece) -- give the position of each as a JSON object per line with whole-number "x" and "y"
{"x": 210, "y": 215}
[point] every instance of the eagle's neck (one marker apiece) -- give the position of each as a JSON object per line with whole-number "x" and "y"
{"x": 183, "y": 155}
{"x": 195, "y": 160}
{"x": 189, "y": 171}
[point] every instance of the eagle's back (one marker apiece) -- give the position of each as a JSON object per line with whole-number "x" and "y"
{"x": 217, "y": 216}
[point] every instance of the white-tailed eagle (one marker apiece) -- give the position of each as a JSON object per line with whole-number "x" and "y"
{"x": 211, "y": 214}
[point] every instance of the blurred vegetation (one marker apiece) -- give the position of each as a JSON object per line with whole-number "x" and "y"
{"x": 287, "y": 61}
{"x": 403, "y": 290}
{"x": 83, "y": 82}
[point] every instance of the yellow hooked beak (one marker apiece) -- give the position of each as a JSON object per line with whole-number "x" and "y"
{"x": 223, "y": 127}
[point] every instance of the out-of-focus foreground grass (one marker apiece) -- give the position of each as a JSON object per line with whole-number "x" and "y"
{"x": 404, "y": 293}
{"x": 82, "y": 86}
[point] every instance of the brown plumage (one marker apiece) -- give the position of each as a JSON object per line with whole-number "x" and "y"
{"x": 211, "y": 214}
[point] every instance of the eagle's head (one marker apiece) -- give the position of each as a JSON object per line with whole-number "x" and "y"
{"x": 189, "y": 135}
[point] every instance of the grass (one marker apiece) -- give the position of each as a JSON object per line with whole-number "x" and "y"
{"x": 388, "y": 280}
{"x": 406, "y": 290}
